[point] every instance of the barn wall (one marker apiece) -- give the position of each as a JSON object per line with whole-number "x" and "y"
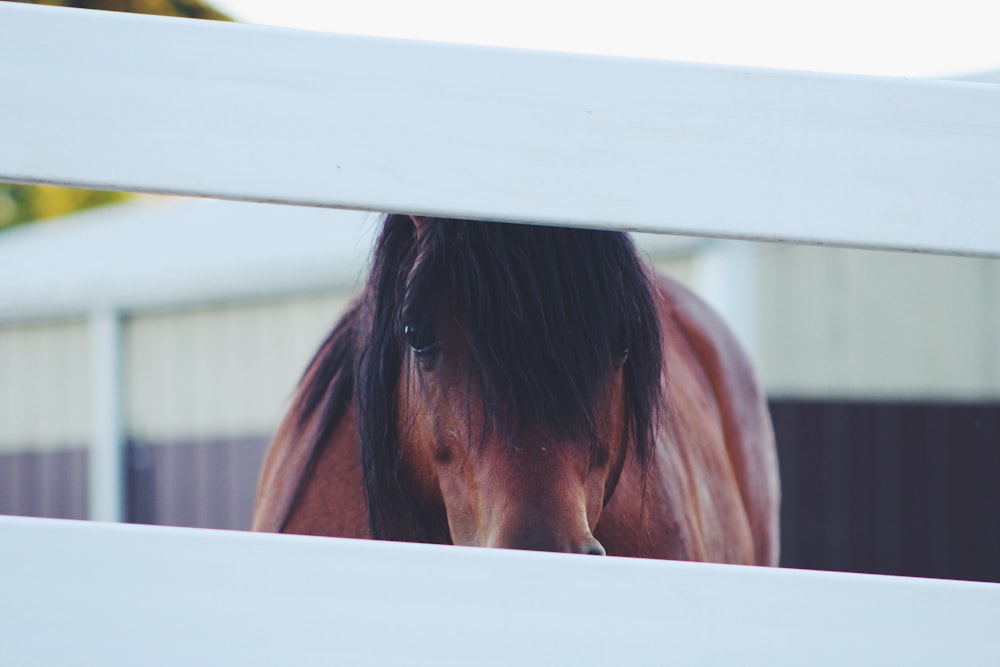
{"x": 857, "y": 323}
{"x": 45, "y": 384}
{"x": 205, "y": 483}
{"x": 205, "y": 389}
{"x": 45, "y": 380}
{"x": 890, "y": 487}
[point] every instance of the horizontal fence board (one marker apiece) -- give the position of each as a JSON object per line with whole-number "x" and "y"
{"x": 154, "y": 104}
{"x": 166, "y": 596}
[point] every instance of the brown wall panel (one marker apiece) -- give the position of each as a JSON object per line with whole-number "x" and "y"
{"x": 908, "y": 488}
{"x": 46, "y": 483}
{"x": 210, "y": 484}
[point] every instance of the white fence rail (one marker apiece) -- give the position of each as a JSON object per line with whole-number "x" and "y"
{"x": 73, "y": 593}
{"x": 169, "y": 105}
{"x": 161, "y": 105}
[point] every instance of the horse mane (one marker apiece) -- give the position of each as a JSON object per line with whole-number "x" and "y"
{"x": 547, "y": 313}
{"x": 323, "y": 396}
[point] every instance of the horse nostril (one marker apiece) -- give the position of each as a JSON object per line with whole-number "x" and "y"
{"x": 593, "y": 548}
{"x": 544, "y": 541}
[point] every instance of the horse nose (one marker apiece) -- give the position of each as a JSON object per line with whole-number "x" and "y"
{"x": 544, "y": 541}
{"x": 592, "y": 547}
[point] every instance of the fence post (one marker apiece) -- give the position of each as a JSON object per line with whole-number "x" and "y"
{"x": 106, "y": 456}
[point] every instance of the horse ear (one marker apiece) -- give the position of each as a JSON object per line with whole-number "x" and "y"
{"x": 420, "y": 222}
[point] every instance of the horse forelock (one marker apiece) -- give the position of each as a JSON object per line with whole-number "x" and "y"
{"x": 546, "y": 312}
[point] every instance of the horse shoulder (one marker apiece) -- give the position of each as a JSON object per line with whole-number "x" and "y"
{"x": 311, "y": 479}
{"x": 279, "y": 480}
{"x": 742, "y": 410}
{"x": 314, "y": 490}
{"x": 331, "y": 501}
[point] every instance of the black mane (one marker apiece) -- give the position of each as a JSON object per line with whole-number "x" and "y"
{"x": 548, "y": 313}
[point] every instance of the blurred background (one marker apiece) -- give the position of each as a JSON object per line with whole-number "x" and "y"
{"x": 149, "y": 346}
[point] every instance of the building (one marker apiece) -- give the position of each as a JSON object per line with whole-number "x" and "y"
{"x": 180, "y": 327}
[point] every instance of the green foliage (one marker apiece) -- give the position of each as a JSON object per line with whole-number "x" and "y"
{"x": 25, "y": 203}
{"x": 186, "y": 8}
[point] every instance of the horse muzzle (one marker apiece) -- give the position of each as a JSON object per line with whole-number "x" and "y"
{"x": 538, "y": 540}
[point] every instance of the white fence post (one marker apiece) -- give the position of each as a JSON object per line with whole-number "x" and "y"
{"x": 106, "y": 455}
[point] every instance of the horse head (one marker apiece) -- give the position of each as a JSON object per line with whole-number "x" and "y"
{"x": 504, "y": 375}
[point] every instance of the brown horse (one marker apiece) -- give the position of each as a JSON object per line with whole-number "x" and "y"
{"x": 527, "y": 387}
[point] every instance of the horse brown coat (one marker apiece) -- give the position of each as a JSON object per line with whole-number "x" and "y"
{"x": 709, "y": 493}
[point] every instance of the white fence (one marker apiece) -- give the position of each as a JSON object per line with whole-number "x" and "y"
{"x": 241, "y": 112}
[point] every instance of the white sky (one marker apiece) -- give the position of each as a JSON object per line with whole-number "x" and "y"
{"x": 884, "y": 37}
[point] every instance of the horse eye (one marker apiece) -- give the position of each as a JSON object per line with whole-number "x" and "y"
{"x": 423, "y": 346}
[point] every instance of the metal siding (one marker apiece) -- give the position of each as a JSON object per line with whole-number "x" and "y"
{"x": 890, "y": 487}
{"x": 864, "y": 324}
{"x": 45, "y": 380}
{"x": 44, "y": 484}
{"x": 209, "y": 484}
{"x": 220, "y": 371}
